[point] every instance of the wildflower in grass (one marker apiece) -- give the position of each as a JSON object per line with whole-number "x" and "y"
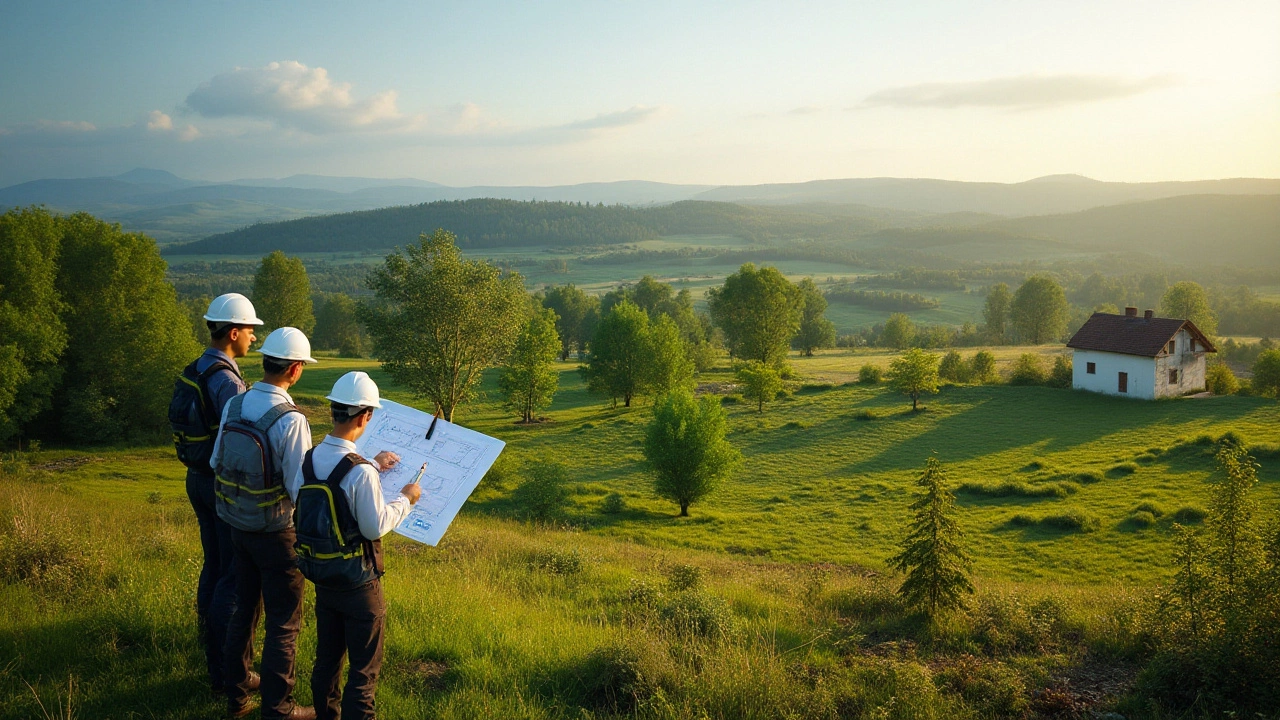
{"x": 933, "y": 554}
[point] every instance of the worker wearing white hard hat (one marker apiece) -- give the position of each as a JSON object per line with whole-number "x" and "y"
{"x": 202, "y": 392}
{"x": 266, "y": 563}
{"x": 345, "y": 562}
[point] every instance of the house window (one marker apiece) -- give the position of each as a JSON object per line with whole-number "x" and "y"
{"x": 1123, "y": 383}
{"x": 1173, "y": 346}
{"x": 1173, "y": 377}
{"x": 1091, "y": 368}
{"x": 1193, "y": 344}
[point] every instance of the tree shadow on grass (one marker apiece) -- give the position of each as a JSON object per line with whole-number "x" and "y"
{"x": 1000, "y": 419}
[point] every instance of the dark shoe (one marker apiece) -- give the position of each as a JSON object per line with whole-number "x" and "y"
{"x": 301, "y": 713}
{"x": 255, "y": 681}
{"x": 238, "y": 711}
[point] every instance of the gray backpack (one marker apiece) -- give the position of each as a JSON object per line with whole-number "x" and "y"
{"x": 250, "y": 490}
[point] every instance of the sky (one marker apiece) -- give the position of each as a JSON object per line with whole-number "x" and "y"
{"x": 519, "y": 93}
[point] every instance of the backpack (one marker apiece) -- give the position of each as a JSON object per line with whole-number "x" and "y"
{"x": 193, "y": 417}
{"x": 250, "y": 490}
{"x": 332, "y": 553}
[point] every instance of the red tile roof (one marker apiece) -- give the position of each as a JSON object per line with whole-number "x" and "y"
{"x": 1133, "y": 335}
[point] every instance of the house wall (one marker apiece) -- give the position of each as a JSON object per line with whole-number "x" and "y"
{"x": 1142, "y": 373}
{"x": 1190, "y": 367}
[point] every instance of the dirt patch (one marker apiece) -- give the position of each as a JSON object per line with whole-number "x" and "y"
{"x": 715, "y": 388}
{"x": 1084, "y": 690}
{"x": 430, "y": 673}
{"x": 66, "y": 464}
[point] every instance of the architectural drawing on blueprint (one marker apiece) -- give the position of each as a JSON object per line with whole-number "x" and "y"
{"x": 456, "y": 459}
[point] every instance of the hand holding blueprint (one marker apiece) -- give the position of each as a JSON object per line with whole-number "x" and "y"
{"x": 456, "y": 459}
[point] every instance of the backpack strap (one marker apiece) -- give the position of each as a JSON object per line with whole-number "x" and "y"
{"x": 308, "y": 468}
{"x": 233, "y": 408}
{"x": 372, "y": 549}
{"x": 270, "y": 417}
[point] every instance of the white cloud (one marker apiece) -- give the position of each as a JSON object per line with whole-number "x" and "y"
{"x": 294, "y": 96}
{"x": 633, "y": 115}
{"x": 1021, "y": 92}
{"x": 159, "y": 122}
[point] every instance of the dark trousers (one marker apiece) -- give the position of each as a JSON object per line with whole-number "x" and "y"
{"x": 348, "y": 622}
{"x": 216, "y": 591}
{"x": 267, "y": 581}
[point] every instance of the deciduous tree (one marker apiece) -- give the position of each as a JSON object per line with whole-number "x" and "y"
{"x": 933, "y": 555}
{"x": 995, "y": 312}
{"x": 439, "y": 321}
{"x": 1186, "y": 300}
{"x": 759, "y": 312}
{"x": 338, "y": 328}
{"x": 668, "y": 358}
{"x": 914, "y": 373}
{"x": 282, "y": 294}
{"x": 899, "y": 331}
{"x": 1266, "y": 373}
{"x": 32, "y": 333}
{"x": 576, "y": 315}
{"x": 528, "y": 380}
{"x": 1039, "y": 310}
{"x": 127, "y": 333}
{"x": 760, "y": 382}
{"x": 686, "y": 449}
{"x": 617, "y": 363}
{"x": 816, "y": 331}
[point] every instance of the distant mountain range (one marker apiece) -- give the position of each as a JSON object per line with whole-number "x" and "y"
{"x": 175, "y": 209}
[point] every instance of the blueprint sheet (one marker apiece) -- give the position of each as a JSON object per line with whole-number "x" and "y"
{"x": 456, "y": 459}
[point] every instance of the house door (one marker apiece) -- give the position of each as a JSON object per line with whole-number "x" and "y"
{"x": 1124, "y": 382}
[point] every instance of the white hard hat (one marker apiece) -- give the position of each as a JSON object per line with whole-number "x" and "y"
{"x": 288, "y": 343}
{"x": 355, "y": 388}
{"x": 232, "y": 308}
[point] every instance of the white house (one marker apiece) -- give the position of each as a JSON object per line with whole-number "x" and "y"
{"x": 1142, "y": 357}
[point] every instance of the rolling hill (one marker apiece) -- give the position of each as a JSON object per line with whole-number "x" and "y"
{"x": 1239, "y": 228}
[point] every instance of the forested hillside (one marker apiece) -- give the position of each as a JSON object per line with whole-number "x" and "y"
{"x": 488, "y": 223}
{"x": 1239, "y": 228}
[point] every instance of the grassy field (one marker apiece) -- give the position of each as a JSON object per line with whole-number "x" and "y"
{"x": 789, "y": 612}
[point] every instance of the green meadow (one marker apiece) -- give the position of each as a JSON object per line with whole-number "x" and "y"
{"x": 771, "y": 600}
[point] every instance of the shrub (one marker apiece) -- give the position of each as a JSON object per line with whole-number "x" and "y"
{"x": 1017, "y": 488}
{"x": 643, "y": 596}
{"x": 684, "y": 577}
{"x": 620, "y": 676}
{"x": 695, "y": 612}
{"x": 1122, "y": 469}
{"x": 1150, "y": 507}
{"x": 1072, "y": 521}
{"x": 870, "y": 374}
{"x": 1060, "y": 376}
{"x": 1089, "y": 476}
{"x": 954, "y": 368}
{"x": 1027, "y": 370}
{"x": 983, "y": 367}
{"x": 1219, "y": 380}
{"x": 1189, "y": 515}
{"x": 613, "y": 504}
{"x": 558, "y": 562}
{"x": 500, "y": 473}
{"x": 37, "y": 554}
{"x": 544, "y": 494}
{"x": 1142, "y": 519}
{"x": 1266, "y": 373}
{"x": 990, "y": 688}
{"x": 153, "y": 498}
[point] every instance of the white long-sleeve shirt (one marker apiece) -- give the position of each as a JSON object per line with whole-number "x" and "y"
{"x": 290, "y": 437}
{"x": 362, "y": 487}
